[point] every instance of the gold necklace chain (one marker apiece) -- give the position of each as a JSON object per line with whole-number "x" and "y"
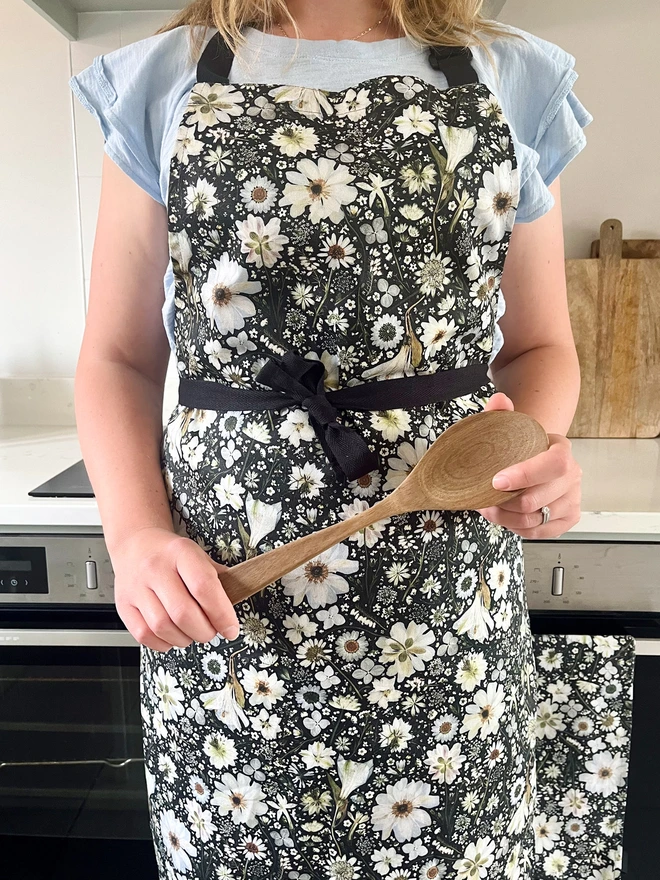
{"x": 352, "y": 38}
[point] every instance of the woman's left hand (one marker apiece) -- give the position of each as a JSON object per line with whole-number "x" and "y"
{"x": 551, "y": 478}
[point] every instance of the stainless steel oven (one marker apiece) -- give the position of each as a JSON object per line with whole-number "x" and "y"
{"x": 71, "y": 764}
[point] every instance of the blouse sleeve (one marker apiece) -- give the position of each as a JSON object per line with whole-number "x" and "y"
{"x": 547, "y": 119}
{"x": 133, "y": 93}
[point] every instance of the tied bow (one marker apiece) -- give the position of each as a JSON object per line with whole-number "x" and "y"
{"x": 302, "y": 381}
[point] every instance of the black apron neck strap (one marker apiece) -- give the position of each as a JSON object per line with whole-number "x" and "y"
{"x": 215, "y": 61}
{"x": 454, "y": 61}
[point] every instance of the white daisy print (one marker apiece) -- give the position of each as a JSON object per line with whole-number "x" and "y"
{"x": 225, "y": 295}
{"x": 321, "y": 187}
{"x": 351, "y": 645}
{"x": 605, "y": 773}
{"x": 263, "y": 688}
{"x": 240, "y": 798}
{"x": 387, "y": 332}
{"x": 498, "y": 200}
{"x": 430, "y": 525}
{"x": 400, "y": 810}
{"x": 338, "y": 251}
{"x": 320, "y": 580}
{"x": 308, "y": 480}
{"x": 437, "y": 333}
{"x": 483, "y": 715}
{"x": 220, "y": 749}
{"x": 176, "y": 838}
{"x": 408, "y": 455}
{"x": 258, "y": 194}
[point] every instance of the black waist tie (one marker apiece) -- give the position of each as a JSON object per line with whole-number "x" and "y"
{"x": 297, "y": 381}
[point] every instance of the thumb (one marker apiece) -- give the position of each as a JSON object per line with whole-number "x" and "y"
{"x": 499, "y": 400}
{"x": 219, "y": 567}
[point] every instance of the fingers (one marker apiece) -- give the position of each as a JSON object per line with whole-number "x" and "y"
{"x": 499, "y": 400}
{"x": 556, "y": 462}
{"x": 170, "y": 594}
{"x": 518, "y": 522}
{"x": 201, "y": 579}
{"x": 183, "y": 609}
{"x": 159, "y": 621}
{"x": 141, "y": 632}
{"x": 534, "y": 498}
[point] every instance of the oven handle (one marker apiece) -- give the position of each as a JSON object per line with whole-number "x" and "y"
{"x": 647, "y": 646}
{"x": 115, "y": 763}
{"x": 116, "y": 638}
{"x": 75, "y": 638}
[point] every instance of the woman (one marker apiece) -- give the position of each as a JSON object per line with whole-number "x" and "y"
{"x": 338, "y": 195}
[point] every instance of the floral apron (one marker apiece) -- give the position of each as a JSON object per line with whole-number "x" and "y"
{"x": 376, "y": 715}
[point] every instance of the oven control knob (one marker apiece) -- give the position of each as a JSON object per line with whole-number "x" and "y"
{"x": 558, "y": 580}
{"x": 90, "y": 575}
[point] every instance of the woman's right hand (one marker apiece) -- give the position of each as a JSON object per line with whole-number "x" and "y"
{"x": 167, "y": 590}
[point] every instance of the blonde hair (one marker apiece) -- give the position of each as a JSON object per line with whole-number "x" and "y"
{"x": 428, "y": 22}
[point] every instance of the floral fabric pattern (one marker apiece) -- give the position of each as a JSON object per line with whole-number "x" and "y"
{"x": 368, "y": 228}
{"x": 583, "y": 727}
{"x": 376, "y": 716}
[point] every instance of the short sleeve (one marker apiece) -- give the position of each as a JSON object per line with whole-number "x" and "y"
{"x": 535, "y": 88}
{"x": 133, "y": 93}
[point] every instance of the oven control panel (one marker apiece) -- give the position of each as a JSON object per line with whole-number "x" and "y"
{"x": 592, "y": 575}
{"x": 55, "y": 568}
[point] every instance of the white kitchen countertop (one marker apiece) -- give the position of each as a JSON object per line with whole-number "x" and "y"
{"x": 620, "y": 484}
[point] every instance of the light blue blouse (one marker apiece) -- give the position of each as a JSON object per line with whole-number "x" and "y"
{"x": 138, "y": 94}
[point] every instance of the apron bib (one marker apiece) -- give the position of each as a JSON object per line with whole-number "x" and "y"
{"x": 377, "y": 712}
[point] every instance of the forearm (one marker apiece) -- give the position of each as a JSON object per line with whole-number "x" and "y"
{"x": 119, "y": 423}
{"x": 544, "y": 383}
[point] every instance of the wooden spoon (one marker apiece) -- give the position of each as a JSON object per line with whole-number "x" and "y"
{"x": 455, "y": 474}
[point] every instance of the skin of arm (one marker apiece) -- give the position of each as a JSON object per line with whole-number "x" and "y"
{"x": 167, "y": 590}
{"x": 123, "y": 360}
{"x": 537, "y": 366}
{"x": 537, "y": 372}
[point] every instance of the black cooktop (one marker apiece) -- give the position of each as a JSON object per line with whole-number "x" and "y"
{"x": 73, "y": 482}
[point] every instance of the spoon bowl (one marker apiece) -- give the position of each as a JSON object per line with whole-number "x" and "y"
{"x": 457, "y": 471}
{"x": 455, "y": 474}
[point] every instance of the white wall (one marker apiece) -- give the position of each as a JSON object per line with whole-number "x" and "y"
{"x": 41, "y": 303}
{"x": 615, "y": 45}
{"x": 50, "y": 156}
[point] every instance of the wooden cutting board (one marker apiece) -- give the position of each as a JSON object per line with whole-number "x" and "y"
{"x": 632, "y": 248}
{"x": 614, "y": 305}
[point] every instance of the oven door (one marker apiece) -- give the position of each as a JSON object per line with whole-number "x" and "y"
{"x": 71, "y": 762}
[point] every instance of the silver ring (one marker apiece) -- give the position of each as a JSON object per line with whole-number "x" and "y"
{"x": 545, "y": 510}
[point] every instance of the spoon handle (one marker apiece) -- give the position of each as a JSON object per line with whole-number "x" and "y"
{"x": 243, "y": 580}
